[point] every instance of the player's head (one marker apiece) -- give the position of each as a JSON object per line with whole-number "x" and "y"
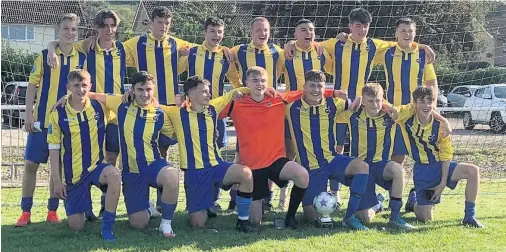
{"x": 160, "y": 21}
{"x": 424, "y": 100}
{"x": 256, "y": 80}
{"x": 304, "y": 32}
{"x": 67, "y": 28}
{"x": 197, "y": 90}
{"x": 260, "y": 30}
{"x": 405, "y": 32}
{"x": 314, "y": 85}
{"x": 106, "y": 22}
{"x": 372, "y": 98}
{"x": 214, "y": 29}
{"x": 359, "y": 21}
{"x": 79, "y": 83}
{"x": 143, "y": 86}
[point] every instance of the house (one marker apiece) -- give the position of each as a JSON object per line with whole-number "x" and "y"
{"x": 31, "y": 25}
{"x": 496, "y": 26}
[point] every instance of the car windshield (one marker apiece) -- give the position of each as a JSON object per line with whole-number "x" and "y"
{"x": 500, "y": 92}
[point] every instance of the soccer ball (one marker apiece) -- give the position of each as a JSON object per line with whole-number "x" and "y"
{"x": 325, "y": 203}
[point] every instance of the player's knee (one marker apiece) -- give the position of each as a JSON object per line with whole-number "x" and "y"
{"x": 473, "y": 170}
{"x": 113, "y": 176}
{"x": 360, "y": 167}
{"x": 138, "y": 223}
{"x": 76, "y": 224}
{"x": 424, "y": 217}
{"x": 246, "y": 173}
{"x": 303, "y": 177}
{"x": 199, "y": 219}
{"x": 169, "y": 177}
{"x": 397, "y": 171}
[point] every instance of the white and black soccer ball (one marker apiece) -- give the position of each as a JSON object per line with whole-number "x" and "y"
{"x": 325, "y": 203}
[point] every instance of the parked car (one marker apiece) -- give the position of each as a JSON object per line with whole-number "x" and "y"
{"x": 442, "y": 101}
{"x": 458, "y": 96}
{"x": 14, "y": 103}
{"x": 487, "y": 106}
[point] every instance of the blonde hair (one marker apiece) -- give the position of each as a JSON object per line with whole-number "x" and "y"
{"x": 69, "y": 16}
{"x": 78, "y": 75}
{"x": 258, "y": 19}
{"x": 372, "y": 89}
{"x": 255, "y": 71}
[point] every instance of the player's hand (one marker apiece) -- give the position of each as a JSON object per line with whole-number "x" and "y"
{"x": 60, "y": 190}
{"x": 236, "y": 95}
{"x": 447, "y": 129}
{"x": 319, "y": 49}
{"x": 355, "y": 105}
{"x": 178, "y": 100}
{"x": 229, "y": 55}
{"x": 342, "y": 36}
{"x": 271, "y": 92}
{"x": 289, "y": 50}
{"x": 128, "y": 96}
{"x": 341, "y": 94}
{"x": 431, "y": 55}
{"x": 89, "y": 43}
{"x": 52, "y": 59}
{"x": 29, "y": 122}
{"x": 185, "y": 51}
{"x": 438, "y": 190}
{"x": 60, "y": 103}
{"x": 393, "y": 113}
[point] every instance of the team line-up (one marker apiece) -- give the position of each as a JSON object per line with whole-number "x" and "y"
{"x": 83, "y": 122}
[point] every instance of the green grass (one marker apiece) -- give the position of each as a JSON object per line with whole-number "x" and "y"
{"x": 443, "y": 234}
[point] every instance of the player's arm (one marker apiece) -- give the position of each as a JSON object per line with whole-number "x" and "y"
{"x": 54, "y": 137}
{"x": 329, "y": 62}
{"x": 33, "y": 83}
{"x": 280, "y": 65}
{"x": 446, "y": 128}
{"x": 233, "y": 75}
{"x": 342, "y": 119}
{"x": 399, "y": 113}
{"x": 131, "y": 51}
{"x": 220, "y": 103}
{"x": 445, "y": 156}
{"x": 168, "y": 127}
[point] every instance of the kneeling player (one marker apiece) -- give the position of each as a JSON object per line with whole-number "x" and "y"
{"x": 194, "y": 125}
{"x": 76, "y": 134}
{"x": 431, "y": 149}
{"x": 311, "y": 123}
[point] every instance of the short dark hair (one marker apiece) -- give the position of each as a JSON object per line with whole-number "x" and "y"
{"x": 78, "y": 75}
{"x": 141, "y": 77}
{"x": 104, "y": 14}
{"x": 303, "y": 21}
{"x": 193, "y": 82}
{"x": 406, "y": 21}
{"x": 213, "y": 21}
{"x": 422, "y": 92}
{"x": 162, "y": 12}
{"x": 315, "y": 75}
{"x": 360, "y": 15}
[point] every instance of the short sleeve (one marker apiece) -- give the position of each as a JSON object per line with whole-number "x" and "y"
{"x": 281, "y": 61}
{"x": 79, "y": 46}
{"x": 445, "y": 148}
{"x": 37, "y": 71}
{"x": 329, "y": 62}
{"x": 54, "y": 132}
{"x": 379, "y": 58}
{"x": 405, "y": 112}
{"x": 429, "y": 73}
{"x": 343, "y": 117}
{"x": 382, "y": 45}
{"x": 130, "y": 51}
{"x": 112, "y": 102}
{"x": 233, "y": 76}
{"x": 182, "y": 43}
{"x": 329, "y": 45}
{"x": 168, "y": 127}
{"x": 341, "y": 105}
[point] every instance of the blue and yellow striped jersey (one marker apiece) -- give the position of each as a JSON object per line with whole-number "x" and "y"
{"x": 424, "y": 143}
{"x": 212, "y": 66}
{"x": 107, "y": 68}
{"x": 80, "y": 137}
{"x": 353, "y": 62}
{"x": 196, "y": 132}
{"x": 404, "y": 72}
{"x": 304, "y": 61}
{"x": 371, "y": 138}
{"x": 52, "y": 82}
{"x": 159, "y": 58}
{"x": 139, "y": 128}
{"x": 313, "y": 130}
{"x": 270, "y": 57}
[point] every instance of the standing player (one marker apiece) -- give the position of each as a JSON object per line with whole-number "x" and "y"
{"x": 140, "y": 123}
{"x": 203, "y": 166}
{"x": 50, "y": 83}
{"x": 209, "y": 62}
{"x": 406, "y": 67}
{"x": 75, "y": 138}
{"x": 312, "y": 124}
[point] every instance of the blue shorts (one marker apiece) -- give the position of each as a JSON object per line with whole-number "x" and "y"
{"x": 287, "y": 130}
{"x": 164, "y": 141}
{"x": 136, "y": 186}
{"x": 37, "y": 149}
{"x": 222, "y": 140}
{"x": 427, "y": 176}
{"x": 369, "y": 199}
{"x": 199, "y": 186}
{"x": 399, "y": 143}
{"x": 112, "y": 138}
{"x": 318, "y": 178}
{"x": 79, "y": 195}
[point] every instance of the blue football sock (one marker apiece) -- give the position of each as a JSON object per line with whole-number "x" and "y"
{"x": 26, "y": 204}
{"x": 395, "y": 208}
{"x": 108, "y": 220}
{"x": 168, "y": 210}
{"x": 158, "y": 197}
{"x": 243, "y": 205}
{"x": 233, "y": 195}
{"x": 412, "y": 199}
{"x": 376, "y": 208}
{"x": 52, "y": 204}
{"x": 102, "y": 201}
{"x": 470, "y": 210}
{"x": 357, "y": 189}
{"x": 334, "y": 185}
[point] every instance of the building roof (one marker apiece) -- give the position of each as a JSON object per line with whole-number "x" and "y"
{"x": 40, "y": 12}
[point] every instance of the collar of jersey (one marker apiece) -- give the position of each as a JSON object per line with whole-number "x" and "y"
{"x": 100, "y": 49}
{"x": 73, "y": 52}
{"x": 72, "y": 111}
{"x": 414, "y": 49}
{"x": 148, "y": 107}
{"x": 417, "y": 121}
{"x": 353, "y": 41}
{"x": 265, "y": 46}
{"x": 305, "y": 105}
{"x": 150, "y": 36}
{"x": 311, "y": 48}
{"x": 372, "y": 117}
{"x": 218, "y": 49}
{"x": 189, "y": 108}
